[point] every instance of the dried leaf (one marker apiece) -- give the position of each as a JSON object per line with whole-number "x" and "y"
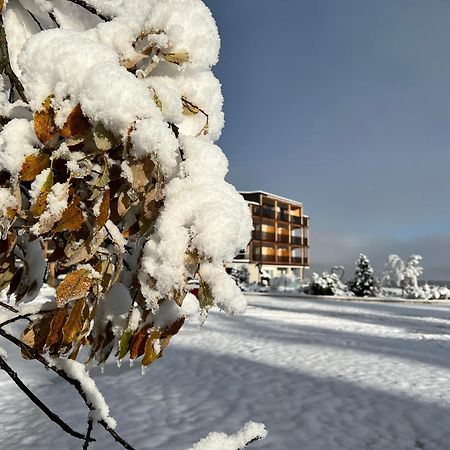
{"x": 103, "y": 138}
{"x": 137, "y": 347}
{"x": 177, "y": 58}
{"x": 55, "y": 334}
{"x": 71, "y": 219}
{"x": 78, "y": 252}
{"x": 74, "y": 324}
{"x": 38, "y": 206}
{"x": 104, "y": 210}
{"x": 75, "y": 285}
{"x": 151, "y": 353}
{"x": 33, "y": 165}
{"x": 44, "y": 122}
{"x": 124, "y": 343}
{"x": 76, "y": 123}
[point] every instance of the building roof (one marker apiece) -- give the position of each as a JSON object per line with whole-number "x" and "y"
{"x": 278, "y": 197}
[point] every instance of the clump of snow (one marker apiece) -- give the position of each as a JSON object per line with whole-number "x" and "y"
{"x": 77, "y": 371}
{"x": 17, "y": 141}
{"x": 221, "y": 441}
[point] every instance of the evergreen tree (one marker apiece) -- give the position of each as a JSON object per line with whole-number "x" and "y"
{"x": 364, "y": 284}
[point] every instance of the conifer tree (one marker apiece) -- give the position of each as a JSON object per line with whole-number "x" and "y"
{"x": 364, "y": 284}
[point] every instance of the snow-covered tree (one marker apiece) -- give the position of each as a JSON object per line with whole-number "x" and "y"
{"x": 364, "y": 284}
{"x": 109, "y": 113}
{"x": 325, "y": 284}
{"x": 403, "y": 275}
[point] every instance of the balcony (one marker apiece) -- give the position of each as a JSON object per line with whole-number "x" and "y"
{"x": 263, "y": 236}
{"x": 256, "y": 210}
{"x": 297, "y": 240}
{"x": 296, "y": 219}
{"x": 267, "y": 258}
{"x": 283, "y": 238}
{"x": 284, "y": 216}
{"x": 297, "y": 260}
{"x": 283, "y": 259}
{"x": 306, "y": 242}
{"x": 268, "y": 212}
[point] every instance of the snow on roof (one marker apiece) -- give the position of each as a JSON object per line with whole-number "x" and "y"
{"x": 278, "y": 197}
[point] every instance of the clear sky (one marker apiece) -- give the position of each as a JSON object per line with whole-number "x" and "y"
{"x": 345, "y": 106}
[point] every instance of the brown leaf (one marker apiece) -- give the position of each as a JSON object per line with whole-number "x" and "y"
{"x": 76, "y": 123}
{"x": 7, "y": 245}
{"x": 74, "y": 324}
{"x": 177, "y": 58}
{"x": 71, "y": 219}
{"x": 78, "y": 252}
{"x": 33, "y": 165}
{"x": 104, "y": 210}
{"x": 38, "y": 206}
{"x": 44, "y": 122}
{"x": 75, "y": 285}
{"x": 150, "y": 353}
{"x": 137, "y": 347}
{"x": 55, "y": 334}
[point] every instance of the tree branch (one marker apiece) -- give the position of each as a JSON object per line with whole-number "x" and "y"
{"x": 75, "y": 383}
{"x": 255, "y": 439}
{"x": 87, "y": 440}
{"x": 50, "y": 414}
{"x": 5, "y": 65}
{"x": 91, "y": 9}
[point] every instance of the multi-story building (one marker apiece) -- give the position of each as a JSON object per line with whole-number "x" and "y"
{"x": 280, "y": 239}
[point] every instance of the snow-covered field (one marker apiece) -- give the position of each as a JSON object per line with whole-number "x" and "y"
{"x": 320, "y": 374}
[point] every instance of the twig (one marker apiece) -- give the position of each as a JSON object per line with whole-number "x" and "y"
{"x": 88, "y": 433}
{"x": 9, "y": 307}
{"x": 116, "y": 436}
{"x": 91, "y": 9}
{"x": 5, "y": 64}
{"x": 75, "y": 383}
{"x": 15, "y": 319}
{"x": 255, "y": 439}
{"x": 50, "y": 414}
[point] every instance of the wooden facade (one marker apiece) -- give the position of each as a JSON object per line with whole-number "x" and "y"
{"x": 281, "y": 232}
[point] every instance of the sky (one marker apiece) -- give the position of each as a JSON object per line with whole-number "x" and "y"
{"x": 345, "y": 106}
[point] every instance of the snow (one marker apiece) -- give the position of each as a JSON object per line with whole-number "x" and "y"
{"x": 17, "y": 141}
{"x": 320, "y": 374}
{"x": 221, "y": 441}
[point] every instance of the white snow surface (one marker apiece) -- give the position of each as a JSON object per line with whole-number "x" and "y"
{"x": 320, "y": 374}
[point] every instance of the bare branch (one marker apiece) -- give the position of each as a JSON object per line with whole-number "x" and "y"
{"x": 87, "y": 440}
{"x": 49, "y": 413}
{"x": 116, "y": 436}
{"x": 5, "y": 64}
{"x": 91, "y": 9}
{"x": 255, "y": 439}
{"x": 75, "y": 383}
{"x": 9, "y": 307}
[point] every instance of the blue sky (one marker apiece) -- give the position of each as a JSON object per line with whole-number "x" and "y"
{"x": 344, "y": 105}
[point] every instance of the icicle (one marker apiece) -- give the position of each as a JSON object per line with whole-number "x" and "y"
{"x": 102, "y": 368}
{"x": 119, "y": 363}
{"x": 131, "y": 362}
{"x": 143, "y": 369}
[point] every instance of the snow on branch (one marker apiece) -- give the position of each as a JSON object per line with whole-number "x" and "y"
{"x": 250, "y": 433}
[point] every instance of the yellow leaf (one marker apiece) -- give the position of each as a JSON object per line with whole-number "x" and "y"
{"x": 75, "y": 285}
{"x": 38, "y": 206}
{"x": 33, "y": 166}
{"x": 124, "y": 343}
{"x": 151, "y": 353}
{"x": 44, "y": 122}
{"x": 71, "y": 219}
{"x": 74, "y": 324}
